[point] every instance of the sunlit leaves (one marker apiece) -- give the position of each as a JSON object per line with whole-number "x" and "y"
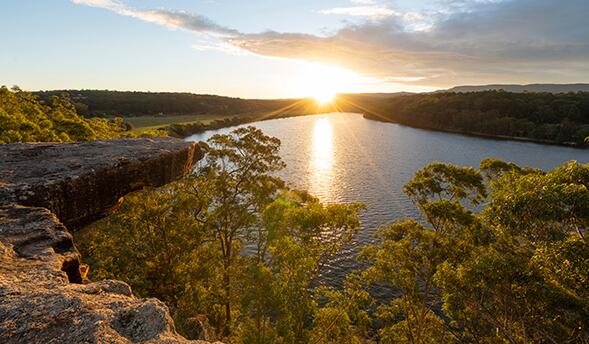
{"x": 513, "y": 273}
{"x": 24, "y": 118}
{"x": 302, "y": 235}
{"x": 439, "y": 180}
{"x": 232, "y": 243}
{"x": 542, "y": 206}
{"x": 565, "y": 264}
{"x": 343, "y": 319}
{"x": 493, "y": 168}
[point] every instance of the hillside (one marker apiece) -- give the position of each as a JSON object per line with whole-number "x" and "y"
{"x": 542, "y": 117}
{"x": 561, "y": 118}
{"x": 550, "y": 88}
{"x": 129, "y": 104}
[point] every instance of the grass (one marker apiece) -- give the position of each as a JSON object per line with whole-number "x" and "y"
{"x": 154, "y": 122}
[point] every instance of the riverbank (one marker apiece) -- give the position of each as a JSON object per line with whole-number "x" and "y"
{"x": 485, "y": 135}
{"x": 181, "y": 130}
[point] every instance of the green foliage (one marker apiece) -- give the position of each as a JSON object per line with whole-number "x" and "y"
{"x": 344, "y": 318}
{"x": 23, "y": 118}
{"x": 408, "y": 257}
{"x": 501, "y": 257}
{"x": 301, "y": 235}
{"x": 150, "y": 242}
{"x": 514, "y": 273}
{"x": 230, "y": 242}
{"x": 130, "y": 104}
{"x": 561, "y": 118}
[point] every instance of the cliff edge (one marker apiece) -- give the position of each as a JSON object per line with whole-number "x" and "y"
{"x": 48, "y": 188}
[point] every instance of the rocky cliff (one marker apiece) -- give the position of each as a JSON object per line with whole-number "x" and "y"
{"x": 46, "y": 189}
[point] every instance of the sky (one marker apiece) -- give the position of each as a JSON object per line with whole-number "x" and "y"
{"x": 283, "y": 49}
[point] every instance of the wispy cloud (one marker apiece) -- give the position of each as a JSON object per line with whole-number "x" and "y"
{"x": 222, "y": 47}
{"x": 170, "y": 19}
{"x": 373, "y": 11}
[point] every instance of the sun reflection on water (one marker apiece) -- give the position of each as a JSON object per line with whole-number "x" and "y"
{"x": 322, "y": 160}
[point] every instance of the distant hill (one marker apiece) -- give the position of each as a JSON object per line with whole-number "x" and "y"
{"x": 551, "y": 88}
{"x": 129, "y": 104}
{"x": 107, "y": 103}
{"x": 539, "y": 116}
{"x": 376, "y": 95}
{"x": 543, "y": 113}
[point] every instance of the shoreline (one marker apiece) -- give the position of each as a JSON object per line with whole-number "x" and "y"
{"x": 183, "y": 130}
{"x": 484, "y": 135}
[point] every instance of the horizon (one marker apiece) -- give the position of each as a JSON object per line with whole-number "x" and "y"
{"x": 295, "y": 98}
{"x": 281, "y": 50}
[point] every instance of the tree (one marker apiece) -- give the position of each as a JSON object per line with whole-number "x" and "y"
{"x": 538, "y": 221}
{"x": 514, "y": 272}
{"x": 230, "y": 242}
{"x": 151, "y": 242}
{"x": 300, "y": 236}
{"x": 344, "y": 318}
{"x": 234, "y": 187}
{"x": 409, "y": 254}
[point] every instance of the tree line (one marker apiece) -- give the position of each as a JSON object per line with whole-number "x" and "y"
{"x": 558, "y": 118}
{"x": 501, "y": 257}
{"x": 92, "y": 103}
{"x": 58, "y": 116}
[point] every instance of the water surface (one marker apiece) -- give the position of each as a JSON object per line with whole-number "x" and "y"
{"x": 343, "y": 157}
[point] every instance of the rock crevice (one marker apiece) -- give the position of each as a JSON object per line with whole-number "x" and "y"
{"x": 48, "y": 188}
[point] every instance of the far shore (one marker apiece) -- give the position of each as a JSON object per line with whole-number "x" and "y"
{"x": 182, "y": 126}
{"x": 484, "y": 135}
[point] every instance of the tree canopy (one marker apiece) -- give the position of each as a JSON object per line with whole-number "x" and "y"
{"x": 500, "y": 256}
{"x": 25, "y": 118}
{"x": 231, "y": 243}
{"x": 126, "y": 103}
{"x": 515, "y": 272}
{"x": 559, "y": 118}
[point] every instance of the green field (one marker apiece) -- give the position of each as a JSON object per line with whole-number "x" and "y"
{"x": 154, "y": 122}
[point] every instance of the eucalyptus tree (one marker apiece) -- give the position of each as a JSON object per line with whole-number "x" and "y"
{"x": 409, "y": 254}
{"x": 515, "y": 272}
{"x": 288, "y": 235}
{"x": 233, "y": 187}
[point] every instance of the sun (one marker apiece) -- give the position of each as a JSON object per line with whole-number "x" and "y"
{"x": 324, "y": 96}
{"x": 322, "y": 83}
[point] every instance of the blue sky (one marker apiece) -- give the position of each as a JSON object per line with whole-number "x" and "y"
{"x": 280, "y": 48}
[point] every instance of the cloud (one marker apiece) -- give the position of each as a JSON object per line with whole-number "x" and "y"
{"x": 465, "y": 41}
{"x": 170, "y": 19}
{"x": 222, "y": 47}
{"x": 375, "y": 12}
{"x": 479, "y": 42}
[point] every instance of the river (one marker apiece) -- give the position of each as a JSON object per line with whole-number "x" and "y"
{"x": 343, "y": 157}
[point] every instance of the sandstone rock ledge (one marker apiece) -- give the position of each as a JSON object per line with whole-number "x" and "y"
{"x": 45, "y": 188}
